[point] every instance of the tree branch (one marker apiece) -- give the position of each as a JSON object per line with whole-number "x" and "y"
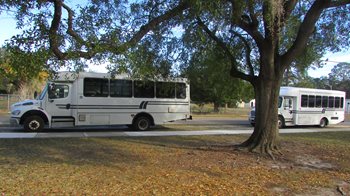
{"x": 247, "y": 53}
{"x": 70, "y": 30}
{"x": 305, "y": 30}
{"x": 234, "y": 68}
{"x": 114, "y": 48}
{"x": 55, "y": 24}
{"x": 251, "y": 27}
{"x": 338, "y": 3}
{"x": 288, "y": 8}
{"x": 152, "y": 24}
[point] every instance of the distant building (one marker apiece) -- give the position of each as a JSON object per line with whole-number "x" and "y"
{"x": 240, "y": 104}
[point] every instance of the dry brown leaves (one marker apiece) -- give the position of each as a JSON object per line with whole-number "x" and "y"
{"x": 206, "y": 165}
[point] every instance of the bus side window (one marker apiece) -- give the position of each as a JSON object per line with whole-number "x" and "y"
{"x": 318, "y": 101}
{"x": 331, "y": 102}
{"x": 324, "y": 101}
{"x": 180, "y": 89}
{"x": 337, "y": 102}
{"x": 304, "y": 101}
{"x": 143, "y": 89}
{"x": 311, "y": 101}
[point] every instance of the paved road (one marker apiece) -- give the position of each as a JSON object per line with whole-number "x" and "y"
{"x": 219, "y": 126}
{"x": 84, "y": 134}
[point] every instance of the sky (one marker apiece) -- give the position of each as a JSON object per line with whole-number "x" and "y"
{"x": 8, "y": 29}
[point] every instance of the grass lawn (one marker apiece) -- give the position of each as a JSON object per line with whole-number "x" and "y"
{"x": 312, "y": 164}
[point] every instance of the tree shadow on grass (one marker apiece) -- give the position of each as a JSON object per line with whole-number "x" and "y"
{"x": 73, "y": 151}
{"x": 207, "y": 143}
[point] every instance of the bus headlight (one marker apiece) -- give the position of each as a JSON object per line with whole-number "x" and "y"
{"x": 16, "y": 112}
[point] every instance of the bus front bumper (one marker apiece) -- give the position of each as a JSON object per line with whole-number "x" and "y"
{"x": 14, "y": 122}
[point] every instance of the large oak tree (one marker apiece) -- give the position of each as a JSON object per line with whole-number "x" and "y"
{"x": 267, "y": 28}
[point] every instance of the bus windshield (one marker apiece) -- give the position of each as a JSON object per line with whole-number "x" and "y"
{"x": 43, "y": 92}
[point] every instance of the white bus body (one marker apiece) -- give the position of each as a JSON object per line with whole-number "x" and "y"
{"x": 305, "y": 106}
{"x": 86, "y": 99}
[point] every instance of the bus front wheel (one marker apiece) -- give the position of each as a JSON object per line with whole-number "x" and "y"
{"x": 33, "y": 123}
{"x": 142, "y": 123}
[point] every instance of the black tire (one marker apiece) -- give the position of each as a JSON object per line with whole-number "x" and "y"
{"x": 281, "y": 123}
{"x": 323, "y": 123}
{"x": 33, "y": 124}
{"x": 142, "y": 123}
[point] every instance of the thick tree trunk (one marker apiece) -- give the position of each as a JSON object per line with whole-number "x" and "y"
{"x": 216, "y": 107}
{"x": 265, "y": 135}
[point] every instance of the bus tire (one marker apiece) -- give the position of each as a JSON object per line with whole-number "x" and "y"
{"x": 33, "y": 124}
{"x": 323, "y": 123}
{"x": 281, "y": 123}
{"x": 142, "y": 123}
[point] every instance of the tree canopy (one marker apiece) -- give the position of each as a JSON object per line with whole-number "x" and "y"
{"x": 258, "y": 40}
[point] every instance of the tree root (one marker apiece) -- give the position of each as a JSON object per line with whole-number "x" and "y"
{"x": 265, "y": 149}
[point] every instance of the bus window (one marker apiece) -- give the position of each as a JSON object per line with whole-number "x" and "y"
{"x": 287, "y": 103}
{"x": 181, "y": 90}
{"x": 121, "y": 88}
{"x": 96, "y": 87}
{"x": 304, "y": 101}
{"x": 331, "y": 102}
{"x": 324, "y": 101}
{"x": 337, "y": 102}
{"x": 311, "y": 101}
{"x": 318, "y": 101}
{"x": 144, "y": 89}
{"x": 58, "y": 91}
{"x": 165, "y": 89}
{"x": 342, "y": 102}
{"x": 280, "y": 100}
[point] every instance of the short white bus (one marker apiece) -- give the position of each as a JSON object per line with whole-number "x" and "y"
{"x": 98, "y": 99}
{"x": 305, "y": 106}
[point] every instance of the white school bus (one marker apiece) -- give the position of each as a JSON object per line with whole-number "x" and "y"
{"x": 305, "y": 106}
{"x": 90, "y": 99}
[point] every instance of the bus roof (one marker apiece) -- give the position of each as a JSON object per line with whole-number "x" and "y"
{"x": 72, "y": 76}
{"x": 295, "y": 91}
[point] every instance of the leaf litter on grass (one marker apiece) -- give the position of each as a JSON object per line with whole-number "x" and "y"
{"x": 199, "y": 165}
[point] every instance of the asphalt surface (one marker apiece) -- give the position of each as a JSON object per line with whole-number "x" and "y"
{"x": 4, "y": 119}
{"x": 217, "y": 126}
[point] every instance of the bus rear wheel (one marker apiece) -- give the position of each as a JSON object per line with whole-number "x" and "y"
{"x": 323, "y": 123}
{"x": 142, "y": 123}
{"x": 281, "y": 122}
{"x": 33, "y": 123}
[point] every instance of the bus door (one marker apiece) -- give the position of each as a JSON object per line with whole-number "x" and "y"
{"x": 58, "y": 105}
{"x": 288, "y": 110}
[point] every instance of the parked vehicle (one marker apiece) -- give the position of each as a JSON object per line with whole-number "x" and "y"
{"x": 305, "y": 106}
{"x": 89, "y": 99}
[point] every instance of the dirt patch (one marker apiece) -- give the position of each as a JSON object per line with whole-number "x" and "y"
{"x": 310, "y": 161}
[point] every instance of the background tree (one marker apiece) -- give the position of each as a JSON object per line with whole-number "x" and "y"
{"x": 339, "y": 78}
{"x": 23, "y": 71}
{"x": 208, "y": 72}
